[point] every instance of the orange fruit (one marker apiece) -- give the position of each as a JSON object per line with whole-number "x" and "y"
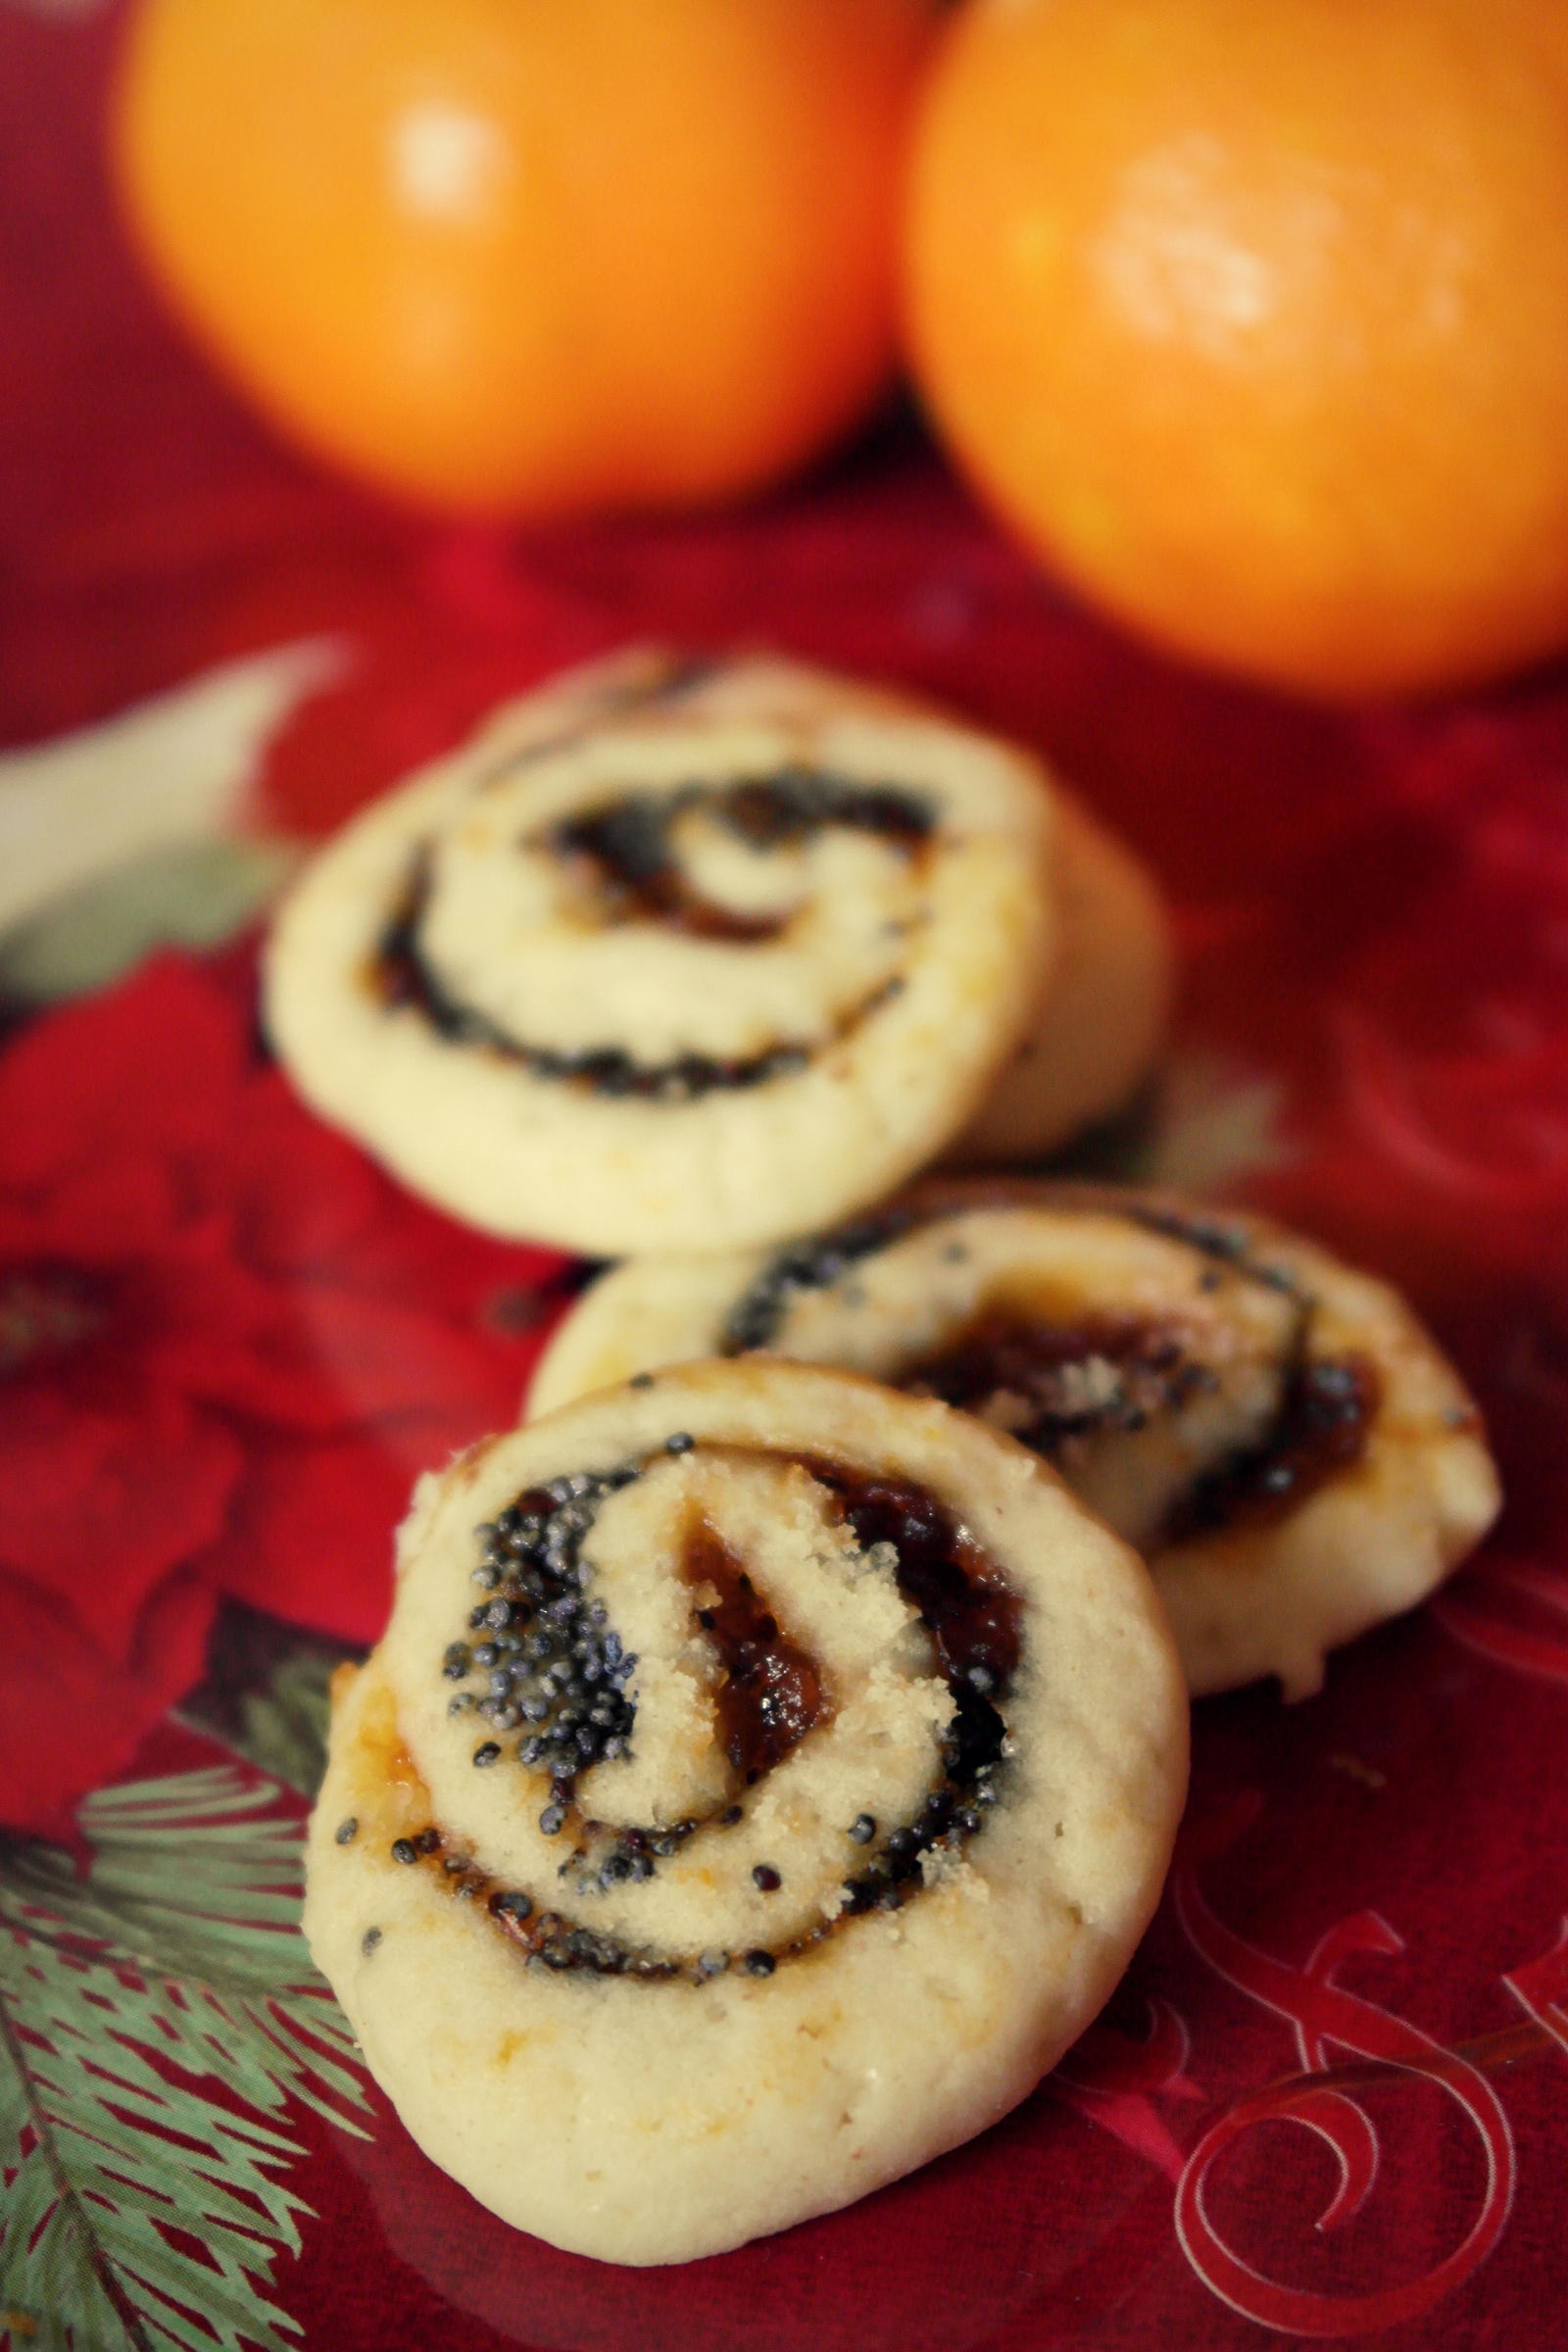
{"x": 1252, "y": 316}
{"x": 530, "y": 256}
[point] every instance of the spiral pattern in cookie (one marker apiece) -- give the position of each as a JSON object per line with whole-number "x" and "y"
{"x": 761, "y": 1774}
{"x": 1274, "y": 1431}
{"x": 678, "y": 957}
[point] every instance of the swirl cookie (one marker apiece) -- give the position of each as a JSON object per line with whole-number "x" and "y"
{"x": 763, "y": 1777}
{"x": 680, "y": 956}
{"x": 1276, "y": 1433}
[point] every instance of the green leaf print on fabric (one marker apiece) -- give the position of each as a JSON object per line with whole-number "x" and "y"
{"x": 159, "y": 2017}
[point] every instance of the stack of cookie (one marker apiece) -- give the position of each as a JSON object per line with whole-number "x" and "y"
{"x": 681, "y": 955}
{"x": 777, "y": 1748}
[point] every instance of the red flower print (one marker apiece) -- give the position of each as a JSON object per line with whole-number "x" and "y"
{"x": 227, "y": 1346}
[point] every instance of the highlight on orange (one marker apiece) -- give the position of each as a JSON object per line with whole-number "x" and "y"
{"x": 530, "y": 257}
{"x": 1251, "y": 317}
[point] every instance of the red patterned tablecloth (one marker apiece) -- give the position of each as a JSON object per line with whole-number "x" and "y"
{"x": 226, "y": 1344}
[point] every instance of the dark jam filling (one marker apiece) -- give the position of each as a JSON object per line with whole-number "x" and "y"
{"x": 1321, "y": 1429}
{"x": 627, "y": 851}
{"x": 402, "y": 980}
{"x": 1063, "y": 1380}
{"x": 627, "y": 847}
{"x": 966, "y": 1603}
{"x": 975, "y": 1621}
{"x": 1325, "y": 1416}
{"x": 796, "y": 802}
{"x": 771, "y": 1694}
{"x": 545, "y": 1641}
{"x": 548, "y": 1937}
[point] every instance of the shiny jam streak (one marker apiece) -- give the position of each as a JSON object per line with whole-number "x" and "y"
{"x": 551, "y": 1665}
{"x": 771, "y": 1694}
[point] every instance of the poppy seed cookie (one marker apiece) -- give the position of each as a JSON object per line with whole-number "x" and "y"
{"x": 1275, "y": 1432}
{"x": 764, "y": 1778}
{"x": 675, "y": 956}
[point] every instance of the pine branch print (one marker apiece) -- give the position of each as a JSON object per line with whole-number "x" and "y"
{"x": 158, "y": 2019}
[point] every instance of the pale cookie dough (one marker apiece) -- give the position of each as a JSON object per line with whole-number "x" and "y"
{"x": 1103, "y": 1010}
{"x": 764, "y": 1778}
{"x": 1275, "y": 1432}
{"x": 677, "y": 957}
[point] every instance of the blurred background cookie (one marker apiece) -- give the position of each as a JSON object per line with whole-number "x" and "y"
{"x": 696, "y": 954}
